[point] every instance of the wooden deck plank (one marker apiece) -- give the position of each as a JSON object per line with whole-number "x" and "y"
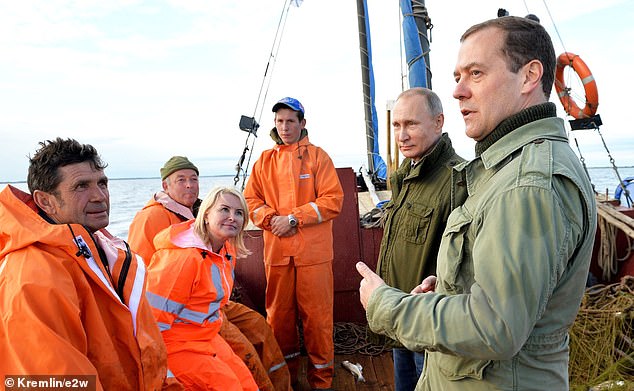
{"x": 378, "y": 372}
{"x": 384, "y": 369}
{"x": 343, "y": 379}
{"x": 368, "y": 372}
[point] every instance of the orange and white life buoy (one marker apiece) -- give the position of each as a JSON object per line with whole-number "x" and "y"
{"x": 589, "y": 85}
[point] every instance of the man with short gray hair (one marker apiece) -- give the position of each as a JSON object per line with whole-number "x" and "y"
{"x": 244, "y": 329}
{"x": 514, "y": 257}
{"x": 417, "y": 213}
{"x": 177, "y": 202}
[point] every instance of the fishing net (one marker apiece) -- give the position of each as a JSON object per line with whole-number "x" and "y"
{"x": 601, "y": 346}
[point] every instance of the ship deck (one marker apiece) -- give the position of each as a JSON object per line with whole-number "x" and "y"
{"x": 378, "y": 372}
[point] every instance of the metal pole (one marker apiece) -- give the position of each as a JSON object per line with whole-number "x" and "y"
{"x": 365, "y": 73}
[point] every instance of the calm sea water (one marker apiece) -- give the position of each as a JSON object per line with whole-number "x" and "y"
{"x": 127, "y": 196}
{"x": 605, "y": 178}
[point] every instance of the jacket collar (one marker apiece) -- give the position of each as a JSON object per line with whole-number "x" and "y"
{"x": 168, "y": 203}
{"x": 551, "y": 128}
{"x": 22, "y": 222}
{"x": 547, "y": 128}
{"x": 440, "y": 154}
{"x": 437, "y": 155}
{"x": 278, "y": 140}
{"x": 303, "y": 142}
{"x": 528, "y": 115}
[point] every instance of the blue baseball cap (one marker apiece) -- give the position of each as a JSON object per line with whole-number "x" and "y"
{"x": 289, "y": 102}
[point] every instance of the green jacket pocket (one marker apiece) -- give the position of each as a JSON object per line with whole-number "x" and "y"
{"x": 416, "y": 223}
{"x": 455, "y": 247}
{"x": 457, "y": 368}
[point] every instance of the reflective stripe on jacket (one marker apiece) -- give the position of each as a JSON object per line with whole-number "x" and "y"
{"x": 161, "y": 212}
{"x": 298, "y": 179}
{"x": 187, "y": 285}
{"x": 512, "y": 269}
{"x": 62, "y": 313}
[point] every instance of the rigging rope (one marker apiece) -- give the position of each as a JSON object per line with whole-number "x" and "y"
{"x": 616, "y": 171}
{"x": 352, "y": 338}
{"x": 259, "y": 104}
{"x": 373, "y": 218}
{"x": 606, "y": 256}
{"x": 583, "y": 163}
{"x": 596, "y": 127}
{"x": 400, "y": 37}
{"x": 277, "y": 42}
{"x": 554, "y": 25}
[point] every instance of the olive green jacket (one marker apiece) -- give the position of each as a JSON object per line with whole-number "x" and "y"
{"x": 416, "y": 216}
{"x": 512, "y": 268}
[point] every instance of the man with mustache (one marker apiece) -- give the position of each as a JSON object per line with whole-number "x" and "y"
{"x": 72, "y": 295}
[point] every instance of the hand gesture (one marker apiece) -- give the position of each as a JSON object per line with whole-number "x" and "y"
{"x": 370, "y": 282}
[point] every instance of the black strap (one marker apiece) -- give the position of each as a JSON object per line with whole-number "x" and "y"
{"x": 124, "y": 271}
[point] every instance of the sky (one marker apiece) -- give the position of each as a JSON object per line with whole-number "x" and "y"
{"x": 145, "y": 80}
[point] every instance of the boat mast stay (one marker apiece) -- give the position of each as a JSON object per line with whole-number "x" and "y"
{"x": 376, "y": 165}
{"x": 250, "y": 124}
{"x": 588, "y": 119}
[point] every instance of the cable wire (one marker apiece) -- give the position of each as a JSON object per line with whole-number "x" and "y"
{"x": 555, "y": 26}
{"x": 263, "y": 93}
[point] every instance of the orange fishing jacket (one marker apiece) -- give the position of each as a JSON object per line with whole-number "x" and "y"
{"x": 187, "y": 285}
{"x": 298, "y": 179}
{"x": 160, "y": 212}
{"x": 63, "y": 312}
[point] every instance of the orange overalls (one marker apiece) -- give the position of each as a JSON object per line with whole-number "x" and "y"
{"x": 187, "y": 285}
{"x": 63, "y": 312}
{"x": 245, "y": 330}
{"x": 252, "y": 339}
{"x": 299, "y": 179}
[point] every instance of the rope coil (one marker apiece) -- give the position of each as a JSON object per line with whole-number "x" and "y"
{"x": 352, "y": 338}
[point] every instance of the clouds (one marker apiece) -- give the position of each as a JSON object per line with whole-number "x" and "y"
{"x": 145, "y": 80}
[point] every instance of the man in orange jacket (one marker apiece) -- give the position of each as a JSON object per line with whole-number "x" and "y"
{"x": 293, "y": 194}
{"x": 72, "y": 295}
{"x": 245, "y": 330}
{"x": 177, "y": 202}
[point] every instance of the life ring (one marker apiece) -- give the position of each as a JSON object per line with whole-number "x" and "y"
{"x": 629, "y": 185}
{"x": 589, "y": 85}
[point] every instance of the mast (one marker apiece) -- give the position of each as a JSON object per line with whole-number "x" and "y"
{"x": 416, "y": 23}
{"x": 376, "y": 165}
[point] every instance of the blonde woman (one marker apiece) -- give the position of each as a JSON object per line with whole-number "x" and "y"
{"x": 190, "y": 278}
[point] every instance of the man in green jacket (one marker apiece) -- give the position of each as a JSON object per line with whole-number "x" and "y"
{"x": 417, "y": 213}
{"x": 515, "y": 255}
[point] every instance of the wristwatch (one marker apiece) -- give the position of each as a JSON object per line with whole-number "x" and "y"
{"x": 292, "y": 221}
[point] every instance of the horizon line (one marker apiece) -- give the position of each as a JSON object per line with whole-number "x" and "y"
{"x": 233, "y": 175}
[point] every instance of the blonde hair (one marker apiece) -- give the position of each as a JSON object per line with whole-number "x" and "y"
{"x": 200, "y": 228}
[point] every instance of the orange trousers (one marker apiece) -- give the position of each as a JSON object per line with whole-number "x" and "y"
{"x": 220, "y": 370}
{"x": 307, "y": 292}
{"x": 252, "y": 339}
